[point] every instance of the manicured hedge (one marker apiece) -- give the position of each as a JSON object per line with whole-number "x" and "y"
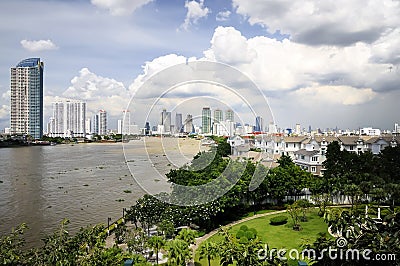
{"x": 278, "y": 220}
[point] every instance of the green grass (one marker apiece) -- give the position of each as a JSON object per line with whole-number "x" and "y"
{"x": 278, "y": 236}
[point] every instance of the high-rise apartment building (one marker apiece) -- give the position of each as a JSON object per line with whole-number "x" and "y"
{"x": 69, "y": 119}
{"x": 27, "y": 98}
{"x": 206, "y": 120}
{"x": 126, "y": 122}
{"x": 229, "y": 115}
{"x": 178, "y": 123}
{"x": 188, "y": 128}
{"x": 102, "y": 122}
{"x": 166, "y": 120}
{"x": 218, "y": 116}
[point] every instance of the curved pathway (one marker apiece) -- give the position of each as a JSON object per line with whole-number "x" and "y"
{"x": 210, "y": 234}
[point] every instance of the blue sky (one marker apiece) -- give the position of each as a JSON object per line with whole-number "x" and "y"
{"x": 328, "y": 64}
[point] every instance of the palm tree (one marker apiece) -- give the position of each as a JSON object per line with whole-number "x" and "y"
{"x": 187, "y": 235}
{"x": 208, "y": 250}
{"x": 156, "y": 243}
{"x": 178, "y": 252}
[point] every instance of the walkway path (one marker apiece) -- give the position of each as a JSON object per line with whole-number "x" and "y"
{"x": 207, "y": 236}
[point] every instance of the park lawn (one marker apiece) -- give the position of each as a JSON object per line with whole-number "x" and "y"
{"x": 281, "y": 236}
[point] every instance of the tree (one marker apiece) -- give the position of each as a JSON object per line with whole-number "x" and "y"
{"x": 11, "y": 246}
{"x": 178, "y": 252}
{"x": 294, "y": 211}
{"x": 156, "y": 243}
{"x": 187, "y": 235}
{"x": 208, "y": 250}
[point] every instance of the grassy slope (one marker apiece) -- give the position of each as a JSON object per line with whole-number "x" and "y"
{"x": 282, "y": 236}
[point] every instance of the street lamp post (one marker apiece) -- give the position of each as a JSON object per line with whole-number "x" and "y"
{"x": 108, "y": 225}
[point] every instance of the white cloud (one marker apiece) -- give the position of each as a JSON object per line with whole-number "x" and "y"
{"x": 342, "y": 95}
{"x": 195, "y": 11}
{"x": 41, "y": 45}
{"x": 339, "y": 22}
{"x": 120, "y": 7}
{"x": 229, "y": 46}
{"x": 6, "y": 95}
{"x": 4, "y": 111}
{"x": 286, "y": 65}
{"x": 99, "y": 92}
{"x": 223, "y": 15}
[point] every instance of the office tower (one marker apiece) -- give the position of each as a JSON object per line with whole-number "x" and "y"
{"x": 178, "y": 123}
{"x": 147, "y": 128}
{"x": 166, "y": 120}
{"x": 188, "y": 124}
{"x": 95, "y": 124}
{"x": 206, "y": 120}
{"x": 102, "y": 122}
{"x": 259, "y": 124}
{"x": 272, "y": 129}
{"x": 126, "y": 122}
{"x": 69, "y": 119}
{"x": 396, "y": 128}
{"x": 27, "y": 98}
{"x": 218, "y": 116}
{"x": 229, "y": 115}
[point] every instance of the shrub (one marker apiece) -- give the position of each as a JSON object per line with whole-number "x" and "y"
{"x": 239, "y": 234}
{"x": 249, "y": 235}
{"x": 243, "y": 240}
{"x": 244, "y": 228}
{"x": 278, "y": 220}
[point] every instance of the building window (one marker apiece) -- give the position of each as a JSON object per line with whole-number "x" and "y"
{"x": 287, "y": 145}
{"x": 314, "y": 159}
{"x": 302, "y": 157}
{"x": 313, "y": 169}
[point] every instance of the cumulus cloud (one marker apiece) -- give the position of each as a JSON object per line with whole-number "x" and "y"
{"x": 195, "y": 11}
{"x": 120, "y": 7}
{"x": 223, "y": 15}
{"x": 345, "y": 95}
{"x": 229, "y": 46}
{"x": 338, "y": 22}
{"x": 287, "y": 65}
{"x": 99, "y": 92}
{"x": 41, "y": 45}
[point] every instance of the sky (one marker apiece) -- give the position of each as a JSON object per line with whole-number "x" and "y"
{"x": 321, "y": 63}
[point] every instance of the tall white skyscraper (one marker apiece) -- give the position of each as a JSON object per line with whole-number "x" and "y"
{"x": 229, "y": 115}
{"x": 166, "y": 121}
{"x": 27, "y": 98}
{"x": 102, "y": 122}
{"x": 69, "y": 119}
{"x": 396, "y": 128}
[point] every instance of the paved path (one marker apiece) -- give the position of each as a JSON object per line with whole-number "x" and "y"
{"x": 206, "y": 236}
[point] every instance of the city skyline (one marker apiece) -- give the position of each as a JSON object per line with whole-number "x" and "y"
{"x": 317, "y": 64}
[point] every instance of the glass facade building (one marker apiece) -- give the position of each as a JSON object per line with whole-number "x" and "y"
{"x": 27, "y": 98}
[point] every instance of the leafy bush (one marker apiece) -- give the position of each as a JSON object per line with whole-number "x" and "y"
{"x": 239, "y": 234}
{"x": 244, "y": 228}
{"x": 278, "y": 220}
{"x": 249, "y": 235}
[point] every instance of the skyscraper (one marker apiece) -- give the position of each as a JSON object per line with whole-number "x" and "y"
{"x": 218, "y": 116}
{"x": 27, "y": 98}
{"x": 102, "y": 122}
{"x": 229, "y": 115}
{"x": 166, "y": 120}
{"x": 206, "y": 120}
{"x": 189, "y": 124}
{"x": 259, "y": 124}
{"x": 69, "y": 119}
{"x": 178, "y": 123}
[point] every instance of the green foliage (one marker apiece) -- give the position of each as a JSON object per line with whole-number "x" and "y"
{"x": 278, "y": 220}
{"x": 208, "y": 250}
{"x": 178, "y": 252}
{"x": 10, "y": 246}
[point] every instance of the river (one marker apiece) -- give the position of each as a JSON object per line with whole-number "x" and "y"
{"x": 42, "y": 185}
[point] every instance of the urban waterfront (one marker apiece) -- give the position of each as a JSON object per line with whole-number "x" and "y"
{"x": 86, "y": 183}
